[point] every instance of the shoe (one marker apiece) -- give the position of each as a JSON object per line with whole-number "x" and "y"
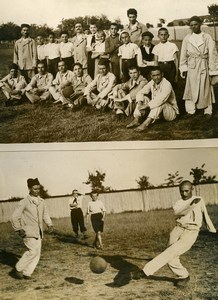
{"x": 27, "y": 277}
{"x": 141, "y": 128}
{"x": 17, "y": 274}
{"x": 182, "y": 282}
{"x": 138, "y": 275}
{"x": 134, "y": 123}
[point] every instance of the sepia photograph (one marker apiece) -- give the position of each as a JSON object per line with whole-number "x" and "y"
{"x": 126, "y": 224}
{"x": 81, "y": 71}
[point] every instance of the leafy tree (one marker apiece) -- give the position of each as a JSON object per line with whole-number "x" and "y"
{"x": 44, "y": 193}
{"x": 199, "y": 176}
{"x": 9, "y": 32}
{"x": 144, "y": 183}
{"x": 173, "y": 179}
{"x": 95, "y": 180}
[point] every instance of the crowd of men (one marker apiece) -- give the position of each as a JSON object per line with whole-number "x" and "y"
{"x": 122, "y": 71}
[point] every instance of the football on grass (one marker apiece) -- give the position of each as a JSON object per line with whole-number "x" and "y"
{"x": 98, "y": 265}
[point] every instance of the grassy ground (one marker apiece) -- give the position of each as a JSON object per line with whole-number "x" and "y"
{"x": 27, "y": 123}
{"x": 130, "y": 240}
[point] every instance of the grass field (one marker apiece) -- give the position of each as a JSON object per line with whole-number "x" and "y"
{"x": 27, "y": 123}
{"x": 130, "y": 240}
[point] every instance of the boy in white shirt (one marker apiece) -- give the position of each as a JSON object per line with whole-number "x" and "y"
{"x": 91, "y": 39}
{"x": 189, "y": 211}
{"x": 97, "y": 211}
{"x": 53, "y": 54}
{"x": 166, "y": 56}
{"x": 128, "y": 54}
{"x": 41, "y": 50}
{"x": 66, "y": 50}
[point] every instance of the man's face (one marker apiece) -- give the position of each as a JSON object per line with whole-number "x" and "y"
{"x": 78, "y": 71}
{"x": 94, "y": 197}
{"x": 41, "y": 69}
{"x": 75, "y": 194}
{"x": 146, "y": 41}
{"x": 13, "y": 73}
{"x": 93, "y": 29}
{"x": 25, "y": 32}
{"x": 51, "y": 38}
{"x": 100, "y": 37}
{"x": 132, "y": 18}
{"x": 186, "y": 191}
{"x": 64, "y": 38}
{"x": 125, "y": 38}
{"x": 134, "y": 74}
{"x": 35, "y": 190}
{"x": 102, "y": 70}
{"x": 195, "y": 27}
{"x": 156, "y": 76}
{"x": 62, "y": 67}
{"x": 113, "y": 30}
{"x": 39, "y": 40}
{"x": 163, "y": 36}
{"x": 78, "y": 28}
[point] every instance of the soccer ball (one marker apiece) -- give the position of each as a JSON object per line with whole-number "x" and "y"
{"x": 67, "y": 91}
{"x": 98, "y": 265}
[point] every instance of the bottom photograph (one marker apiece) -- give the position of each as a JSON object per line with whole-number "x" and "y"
{"x": 106, "y": 224}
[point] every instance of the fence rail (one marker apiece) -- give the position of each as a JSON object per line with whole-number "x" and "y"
{"x": 117, "y": 202}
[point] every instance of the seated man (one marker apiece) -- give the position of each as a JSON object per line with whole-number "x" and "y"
{"x": 124, "y": 94}
{"x": 61, "y": 89}
{"x": 98, "y": 90}
{"x": 12, "y": 85}
{"x": 79, "y": 83}
{"x": 163, "y": 100}
{"x": 38, "y": 88}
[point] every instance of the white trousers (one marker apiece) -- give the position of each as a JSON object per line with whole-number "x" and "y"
{"x": 57, "y": 95}
{"x": 30, "y": 258}
{"x": 169, "y": 113}
{"x": 181, "y": 240}
{"x": 190, "y": 108}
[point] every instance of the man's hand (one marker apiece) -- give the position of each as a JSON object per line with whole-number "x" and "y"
{"x": 22, "y": 233}
{"x": 195, "y": 201}
{"x": 183, "y": 75}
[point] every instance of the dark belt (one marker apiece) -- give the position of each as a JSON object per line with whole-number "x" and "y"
{"x": 166, "y": 62}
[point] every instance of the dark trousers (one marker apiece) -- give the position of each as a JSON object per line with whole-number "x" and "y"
{"x": 169, "y": 70}
{"x": 90, "y": 65}
{"x": 126, "y": 63}
{"x": 53, "y": 66}
{"x": 69, "y": 61}
{"x": 77, "y": 220}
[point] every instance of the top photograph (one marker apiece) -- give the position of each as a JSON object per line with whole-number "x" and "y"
{"x": 102, "y": 71}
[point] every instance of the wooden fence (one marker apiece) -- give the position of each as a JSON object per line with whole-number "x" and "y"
{"x": 120, "y": 201}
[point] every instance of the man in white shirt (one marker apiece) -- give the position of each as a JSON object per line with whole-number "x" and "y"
{"x": 98, "y": 90}
{"x": 53, "y": 54}
{"x": 66, "y": 50}
{"x": 163, "y": 100}
{"x": 189, "y": 211}
{"x": 41, "y": 50}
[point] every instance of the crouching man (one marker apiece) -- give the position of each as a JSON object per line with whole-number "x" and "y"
{"x": 161, "y": 102}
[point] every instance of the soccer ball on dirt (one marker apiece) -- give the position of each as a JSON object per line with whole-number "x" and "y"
{"x": 98, "y": 265}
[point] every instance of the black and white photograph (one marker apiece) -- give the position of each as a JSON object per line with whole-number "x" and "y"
{"x": 81, "y": 71}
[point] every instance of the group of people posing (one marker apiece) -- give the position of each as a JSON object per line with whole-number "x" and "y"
{"x": 123, "y": 71}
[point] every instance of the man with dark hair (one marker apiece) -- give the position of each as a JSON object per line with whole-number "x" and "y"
{"x": 66, "y": 50}
{"x": 27, "y": 221}
{"x": 79, "y": 46}
{"x": 134, "y": 28}
{"x": 25, "y": 53}
{"x": 98, "y": 90}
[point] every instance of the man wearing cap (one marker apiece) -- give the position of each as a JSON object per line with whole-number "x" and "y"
{"x": 27, "y": 220}
{"x": 77, "y": 218}
{"x": 25, "y": 53}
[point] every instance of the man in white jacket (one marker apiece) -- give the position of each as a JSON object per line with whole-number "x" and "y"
{"x": 189, "y": 211}
{"x": 27, "y": 220}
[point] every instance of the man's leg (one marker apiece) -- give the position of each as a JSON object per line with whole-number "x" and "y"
{"x": 190, "y": 107}
{"x": 30, "y": 258}
{"x": 32, "y": 97}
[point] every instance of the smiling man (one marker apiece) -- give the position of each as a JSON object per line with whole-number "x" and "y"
{"x": 162, "y": 100}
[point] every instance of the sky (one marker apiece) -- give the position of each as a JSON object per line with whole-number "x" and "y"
{"x": 52, "y": 12}
{"x": 61, "y": 171}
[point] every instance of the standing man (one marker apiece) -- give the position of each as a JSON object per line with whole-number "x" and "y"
{"x": 66, "y": 50}
{"x": 27, "y": 220}
{"x": 77, "y": 218}
{"x": 189, "y": 211}
{"x": 91, "y": 40}
{"x": 25, "y": 53}
{"x": 134, "y": 28}
{"x": 79, "y": 47}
